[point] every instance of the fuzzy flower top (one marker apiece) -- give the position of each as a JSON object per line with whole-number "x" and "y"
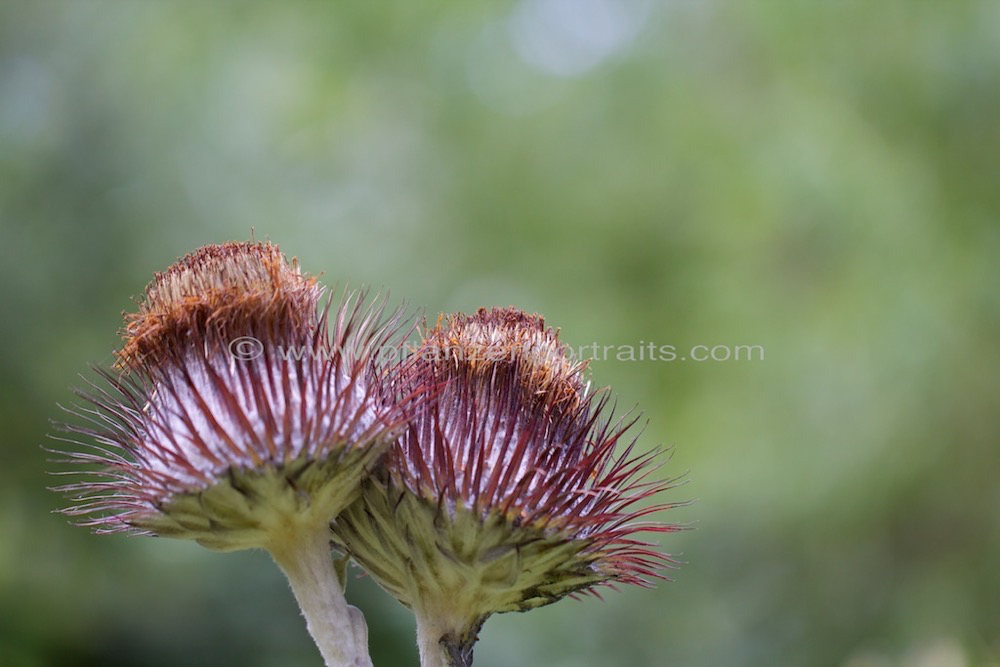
{"x": 233, "y": 287}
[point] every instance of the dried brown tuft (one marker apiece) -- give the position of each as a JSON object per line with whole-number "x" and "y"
{"x": 225, "y": 286}
{"x": 480, "y": 344}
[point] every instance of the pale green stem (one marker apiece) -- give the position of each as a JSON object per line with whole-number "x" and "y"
{"x": 442, "y": 643}
{"x": 432, "y": 651}
{"x": 338, "y": 629}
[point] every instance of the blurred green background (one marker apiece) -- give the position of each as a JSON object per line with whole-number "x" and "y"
{"x": 819, "y": 178}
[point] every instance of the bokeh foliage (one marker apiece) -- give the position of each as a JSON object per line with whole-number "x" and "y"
{"x": 819, "y": 178}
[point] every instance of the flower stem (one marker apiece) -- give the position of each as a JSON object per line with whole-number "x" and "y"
{"x": 338, "y": 629}
{"x": 441, "y": 645}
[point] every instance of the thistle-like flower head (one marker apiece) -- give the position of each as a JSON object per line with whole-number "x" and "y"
{"x": 236, "y": 412}
{"x": 508, "y": 490}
